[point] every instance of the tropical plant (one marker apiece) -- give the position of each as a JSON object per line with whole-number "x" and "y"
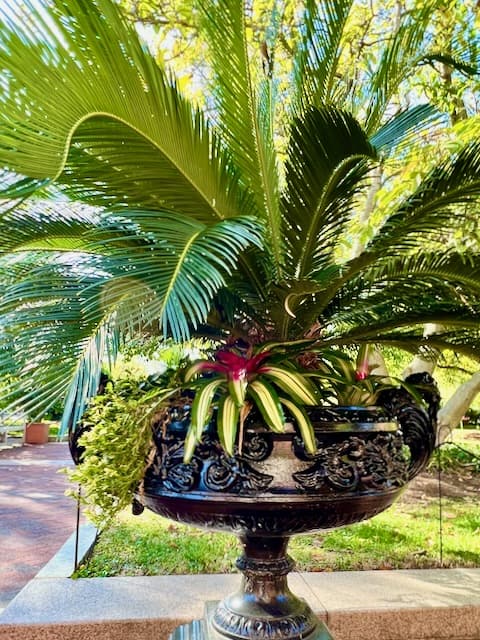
{"x": 129, "y": 211}
{"x": 353, "y": 382}
{"x": 239, "y": 379}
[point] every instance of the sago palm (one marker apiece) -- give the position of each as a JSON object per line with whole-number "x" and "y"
{"x": 127, "y": 210}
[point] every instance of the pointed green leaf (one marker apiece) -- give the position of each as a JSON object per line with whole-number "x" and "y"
{"x": 191, "y": 441}
{"x": 227, "y": 423}
{"x": 266, "y": 399}
{"x": 196, "y": 367}
{"x": 237, "y": 390}
{"x": 202, "y": 404}
{"x": 299, "y": 387}
{"x": 303, "y": 423}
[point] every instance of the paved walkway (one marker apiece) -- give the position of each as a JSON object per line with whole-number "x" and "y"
{"x": 36, "y": 518}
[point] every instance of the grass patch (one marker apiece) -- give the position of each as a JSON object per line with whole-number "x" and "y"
{"x": 404, "y": 536}
{"x": 461, "y": 455}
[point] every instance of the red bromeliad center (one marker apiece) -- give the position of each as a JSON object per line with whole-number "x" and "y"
{"x": 361, "y": 375}
{"x": 235, "y": 366}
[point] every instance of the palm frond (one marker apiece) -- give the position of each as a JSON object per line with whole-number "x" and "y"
{"x": 316, "y": 61}
{"x": 398, "y": 58}
{"x": 326, "y": 169}
{"x": 461, "y": 271}
{"x": 98, "y": 169}
{"x": 17, "y": 187}
{"x": 244, "y": 116}
{"x": 428, "y": 214}
{"x": 405, "y": 124}
{"x": 45, "y": 317}
{"x": 86, "y": 378}
{"x": 178, "y": 263}
{"x": 47, "y": 225}
{"x": 148, "y": 269}
{"x": 432, "y": 208}
{"x": 96, "y": 70}
{"x": 462, "y": 54}
{"x": 460, "y": 342}
{"x": 376, "y": 313}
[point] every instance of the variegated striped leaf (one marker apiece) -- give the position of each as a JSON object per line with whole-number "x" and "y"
{"x": 266, "y": 399}
{"x": 193, "y": 369}
{"x": 191, "y": 441}
{"x": 300, "y": 388}
{"x": 227, "y": 423}
{"x": 201, "y": 405}
{"x": 303, "y": 423}
{"x": 237, "y": 390}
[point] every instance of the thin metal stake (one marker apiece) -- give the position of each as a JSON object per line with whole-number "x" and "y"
{"x": 77, "y": 529}
{"x": 440, "y": 502}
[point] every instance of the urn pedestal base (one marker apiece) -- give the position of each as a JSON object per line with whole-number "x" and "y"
{"x": 263, "y": 608}
{"x": 203, "y": 629}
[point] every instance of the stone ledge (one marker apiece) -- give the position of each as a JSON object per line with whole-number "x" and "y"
{"x": 62, "y": 565}
{"x": 358, "y": 605}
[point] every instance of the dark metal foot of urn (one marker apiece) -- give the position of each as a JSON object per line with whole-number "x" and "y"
{"x": 264, "y": 607}
{"x": 203, "y": 630}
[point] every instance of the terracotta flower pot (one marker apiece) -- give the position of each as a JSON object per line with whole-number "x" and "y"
{"x": 36, "y": 433}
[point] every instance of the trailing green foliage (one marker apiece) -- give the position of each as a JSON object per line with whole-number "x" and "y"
{"x": 117, "y": 441}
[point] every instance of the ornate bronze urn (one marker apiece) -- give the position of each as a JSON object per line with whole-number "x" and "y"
{"x": 273, "y": 489}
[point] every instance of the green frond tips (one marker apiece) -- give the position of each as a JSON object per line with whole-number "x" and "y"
{"x": 405, "y": 125}
{"x": 246, "y": 115}
{"x": 14, "y": 187}
{"x": 177, "y": 262}
{"x": 402, "y": 52}
{"x": 455, "y": 181}
{"x": 318, "y": 54}
{"x": 329, "y": 157}
{"x": 90, "y": 64}
{"x": 58, "y": 347}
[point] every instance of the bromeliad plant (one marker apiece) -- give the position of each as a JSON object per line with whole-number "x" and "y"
{"x": 239, "y": 379}
{"x": 351, "y": 382}
{"x": 129, "y": 211}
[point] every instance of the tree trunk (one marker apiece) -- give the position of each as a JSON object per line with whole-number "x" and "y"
{"x": 452, "y": 412}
